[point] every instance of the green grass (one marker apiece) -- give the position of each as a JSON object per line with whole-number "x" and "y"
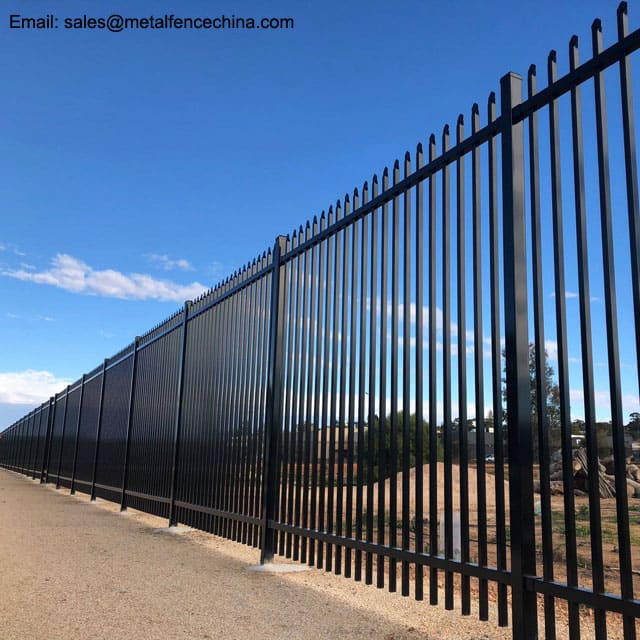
{"x": 582, "y": 513}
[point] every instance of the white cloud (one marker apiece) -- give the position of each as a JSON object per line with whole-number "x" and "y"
{"x": 166, "y": 263}
{"x": 551, "y": 347}
{"x": 602, "y": 402}
{"x": 74, "y": 275}
{"x": 13, "y": 248}
{"x": 217, "y": 271}
{"x": 29, "y": 387}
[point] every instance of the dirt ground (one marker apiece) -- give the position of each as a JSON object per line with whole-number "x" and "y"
{"x": 76, "y": 570}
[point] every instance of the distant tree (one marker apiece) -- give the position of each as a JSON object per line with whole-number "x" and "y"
{"x": 634, "y": 425}
{"x": 577, "y": 427}
{"x": 471, "y": 424}
{"x": 373, "y": 437}
{"x": 552, "y": 397}
{"x": 488, "y": 421}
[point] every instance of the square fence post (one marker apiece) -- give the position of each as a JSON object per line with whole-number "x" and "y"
{"x": 64, "y": 426}
{"x": 519, "y": 428}
{"x": 46, "y": 460}
{"x": 176, "y": 433}
{"x": 34, "y": 471}
{"x": 273, "y": 410}
{"x": 98, "y": 432}
{"x": 75, "y": 452}
{"x": 132, "y": 391}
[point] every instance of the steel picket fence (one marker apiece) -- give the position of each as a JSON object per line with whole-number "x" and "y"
{"x": 375, "y": 395}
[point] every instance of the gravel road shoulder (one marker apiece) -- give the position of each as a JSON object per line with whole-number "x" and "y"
{"x": 77, "y": 570}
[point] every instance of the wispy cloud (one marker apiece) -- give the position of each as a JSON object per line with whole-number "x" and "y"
{"x": 551, "y": 347}
{"x": 5, "y": 246}
{"x": 567, "y": 294}
{"x": 217, "y": 271}
{"x": 602, "y": 401}
{"x": 165, "y": 262}
{"x": 74, "y": 275}
{"x": 29, "y": 387}
{"x": 40, "y": 318}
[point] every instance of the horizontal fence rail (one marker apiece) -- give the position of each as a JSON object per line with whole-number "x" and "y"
{"x": 425, "y": 388}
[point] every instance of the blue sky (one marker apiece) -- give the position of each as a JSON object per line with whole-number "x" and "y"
{"x": 141, "y": 167}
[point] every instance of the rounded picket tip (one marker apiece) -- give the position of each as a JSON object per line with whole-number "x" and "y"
{"x": 552, "y": 57}
{"x": 460, "y": 121}
{"x": 532, "y": 70}
{"x": 573, "y": 42}
{"x": 597, "y": 25}
{"x": 407, "y": 156}
{"x": 475, "y": 109}
{"x": 445, "y": 130}
{"x": 385, "y": 172}
{"x": 432, "y": 138}
{"x": 623, "y": 26}
{"x": 396, "y": 165}
{"x": 374, "y": 180}
{"x": 419, "y": 147}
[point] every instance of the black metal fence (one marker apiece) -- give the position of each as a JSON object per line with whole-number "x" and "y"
{"x": 340, "y": 399}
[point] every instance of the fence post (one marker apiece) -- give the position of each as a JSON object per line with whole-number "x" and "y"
{"x": 31, "y": 438}
{"x": 176, "y": 432}
{"x": 75, "y": 452}
{"x": 132, "y": 390}
{"x": 98, "y": 431}
{"x": 523, "y": 557}
{"x": 35, "y": 455}
{"x": 64, "y": 427}
{"x": 273, "y": 409}
{"x": 47, "y": 454}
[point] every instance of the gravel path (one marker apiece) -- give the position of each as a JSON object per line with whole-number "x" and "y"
{"x": 74, "y": 570}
